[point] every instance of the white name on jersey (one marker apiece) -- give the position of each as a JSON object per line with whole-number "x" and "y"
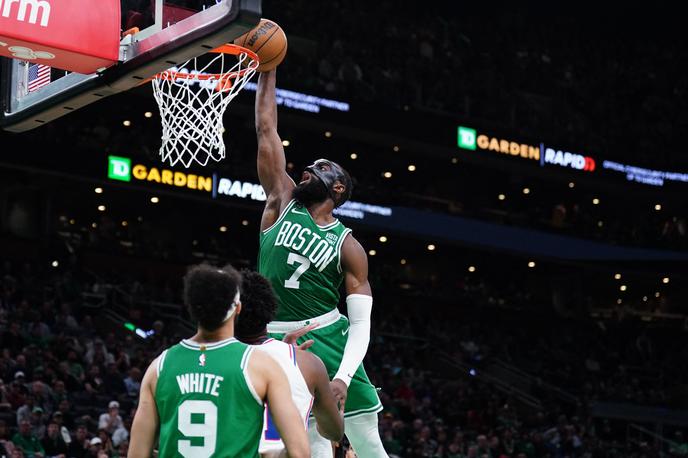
{"x": 199, "y": 383}
{"x": 292, "y": 235}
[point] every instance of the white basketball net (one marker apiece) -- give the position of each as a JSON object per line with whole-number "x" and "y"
{"x": 192, "y": 104}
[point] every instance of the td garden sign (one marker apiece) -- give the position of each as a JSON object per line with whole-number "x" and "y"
{"x": 121, "y": 169}
{"x": 472, "y": 140}
{"x": 215, "y": 186}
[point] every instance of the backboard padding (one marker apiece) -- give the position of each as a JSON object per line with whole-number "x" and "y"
{"x": 156, "y": 48}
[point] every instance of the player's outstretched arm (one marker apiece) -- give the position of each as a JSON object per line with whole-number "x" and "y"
{"x": 146, "y": 421}
{"x": 359, "y": 304}
{"x": 271, "y": 159}
{"x": 329, "y": 418}
{"x": 271, "y": 384}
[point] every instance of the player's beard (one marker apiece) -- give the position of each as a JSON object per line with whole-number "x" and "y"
{"x": 312, "y": 192}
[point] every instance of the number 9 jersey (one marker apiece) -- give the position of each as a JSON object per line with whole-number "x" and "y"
{"x": 302, "y": 260}
{"x": 206, "y": 403}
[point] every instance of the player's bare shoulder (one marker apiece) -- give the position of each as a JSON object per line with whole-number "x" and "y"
{"x": 354, "y": 256}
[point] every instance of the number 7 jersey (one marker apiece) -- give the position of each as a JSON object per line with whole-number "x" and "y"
{"x": 302, "y": 260}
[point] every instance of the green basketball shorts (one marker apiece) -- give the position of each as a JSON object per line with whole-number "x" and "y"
{"x": 329, "y": 345}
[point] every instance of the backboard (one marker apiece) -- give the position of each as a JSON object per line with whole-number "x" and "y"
{"x": 162, "y": 33}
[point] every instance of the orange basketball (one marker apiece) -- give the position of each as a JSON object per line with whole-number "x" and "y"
{"x": 269, "y": 41}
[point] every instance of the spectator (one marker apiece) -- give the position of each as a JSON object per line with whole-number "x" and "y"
{"x": 79, "y": 447}
{"x": 112, "y": 381}
{"x": 121, "y": 434}
{"x": 95, "y": 447}
{"x": 53, "y": 444}
{"x": 37, "y": 426}
{"x": 58, "y": 419}
{"x": 25, "y": 412}
{"x": 27, "y": 442}
{"x": 106, "y": 442}
{"x": 110, "y": 420}
{"x": 133, "y": 382}
{"x": 64, "y": 410}
{"x": 6, "y": 445}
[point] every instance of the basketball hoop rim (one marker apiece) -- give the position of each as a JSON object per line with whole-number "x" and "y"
{"x": 228, "y": 48}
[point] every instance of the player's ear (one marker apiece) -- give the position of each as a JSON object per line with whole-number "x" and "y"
{"x": 237, "y": 310}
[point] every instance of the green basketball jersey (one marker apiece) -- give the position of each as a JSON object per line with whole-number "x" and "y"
{"x": 303, "y": 262}
{"x": 205, "y": 405}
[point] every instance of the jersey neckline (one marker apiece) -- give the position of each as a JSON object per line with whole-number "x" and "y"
{"x": 191, "y": 345}
{"x": 325, "y": 227}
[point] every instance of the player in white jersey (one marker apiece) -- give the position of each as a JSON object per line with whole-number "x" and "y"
{"x": 308, "y": 379}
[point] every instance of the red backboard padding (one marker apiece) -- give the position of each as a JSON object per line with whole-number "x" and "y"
{"x": 71, "y": 35}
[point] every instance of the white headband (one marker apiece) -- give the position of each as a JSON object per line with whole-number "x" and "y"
{"x": 232, "y": 309}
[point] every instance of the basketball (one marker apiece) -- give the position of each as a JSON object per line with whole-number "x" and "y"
{"x": 269, "y": 41}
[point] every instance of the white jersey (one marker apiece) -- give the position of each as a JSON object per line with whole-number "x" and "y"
{"x": 285, "y": 355}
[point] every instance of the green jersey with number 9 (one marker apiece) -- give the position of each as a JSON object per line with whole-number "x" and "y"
{"x": 205, "y": 403}
{"x": 302, "y": 260}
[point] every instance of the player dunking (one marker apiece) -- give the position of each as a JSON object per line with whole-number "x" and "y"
{"x": 206, "y": 394}
{"x": 306, "y": 253}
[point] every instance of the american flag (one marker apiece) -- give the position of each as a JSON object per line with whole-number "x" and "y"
{"x": 39, "y": 76}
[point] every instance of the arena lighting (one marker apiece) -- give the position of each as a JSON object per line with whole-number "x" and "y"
{"x": 383, "y": 239}
{"x": 619, "y": 301}
{"x": 387, "y": 174}
{"x": 455, "y": 160}
{"x": 403, "y": 262}
{"x": 658, "y": 207}
{"x": 328, "y": 134}
{"x": 138, "y": 331}
{"x": 148, "y": 114}
{"x": 617, "y": 276}
{"x": 531, "y": 264}
{"x": 644, "y": 298}
{"x": 244, "y": 222}
{"x": 526, "y": 191}
{"x": 472, "y": 372}
{"x": 139, "y": 219}
{"x": 657, "y": 294}
{"x": 572, "y": 185}
{"x": 55, "y": 264}
{"x": 72, "y": 221}
{"x": 94, "y": 225}
{"x": 101, "y": 208}
{"x": 431, "y": 247}
{"x": 600, "y": 223}
{"x": 596, "y": 201}
{"x": 126, "y": 123}
{"x": 411, "y": 168}
{"x": 354, "y": 156}
{"x": 396, "y": 149}
{"x": 125, "y": 223}
{"x": 623, "y": 288}
{"x": 154, "y": 200}
{"x": 285, "y": 143}
{"x": 98, "y": 190}
{"x": 223, "y": 228}
{"x": 665, "y": 280}
{"x": 501, "y": 197}
{"x": 471, "y": 269}
{"x": 372, "y": 252}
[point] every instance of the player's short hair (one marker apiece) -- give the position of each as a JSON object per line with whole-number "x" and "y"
{"x": 259, "y": 305}
{"x": 209, "y": 293}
